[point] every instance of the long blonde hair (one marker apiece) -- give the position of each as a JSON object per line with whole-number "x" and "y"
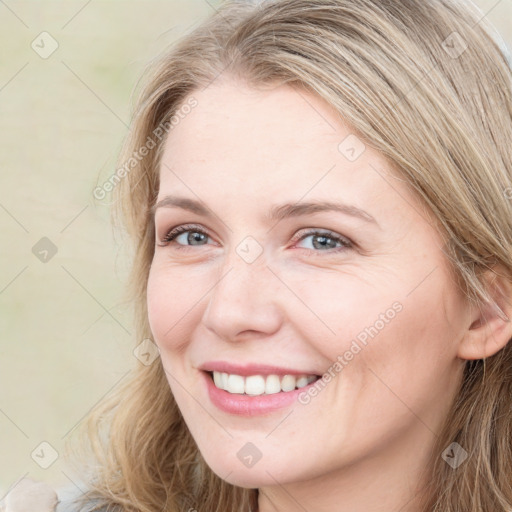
{"x": 424, "y": 82}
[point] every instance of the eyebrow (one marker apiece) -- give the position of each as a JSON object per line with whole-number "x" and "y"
{"x": 276, "y": 213}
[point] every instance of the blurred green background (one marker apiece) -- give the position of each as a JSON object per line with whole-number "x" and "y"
{"x": 65, "y": 333}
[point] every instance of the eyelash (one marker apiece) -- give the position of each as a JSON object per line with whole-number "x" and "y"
{"x": 345, "y": 242}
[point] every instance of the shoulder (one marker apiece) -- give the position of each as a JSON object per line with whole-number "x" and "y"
{"x": 28, "y": 495}
{"x": 70, "y": 501}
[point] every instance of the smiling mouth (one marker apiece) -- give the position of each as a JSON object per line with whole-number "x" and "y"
{"x": 255, "y": 385}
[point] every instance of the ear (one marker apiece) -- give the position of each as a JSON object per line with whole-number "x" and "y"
{"x": 490, "y": 326}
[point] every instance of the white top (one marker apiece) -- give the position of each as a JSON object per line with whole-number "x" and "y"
{"x": 30, "y": 496}
{"x": 67, "y": 500}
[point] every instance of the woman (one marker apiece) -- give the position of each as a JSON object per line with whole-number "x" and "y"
{"x": 319, "y": 196}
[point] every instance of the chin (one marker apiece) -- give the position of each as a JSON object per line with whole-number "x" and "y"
{"x": 249, "y": 478}
{"x": 263, "y": 472}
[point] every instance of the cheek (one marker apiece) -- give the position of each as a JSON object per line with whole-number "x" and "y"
{"x": 170, "y": 302}
{"x": 339, "y": 310}
{"x": 409, "y": 366}
{"x": 382, "y": 337}
{"x": 172, "y": 299}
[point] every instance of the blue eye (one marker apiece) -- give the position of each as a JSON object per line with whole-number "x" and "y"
{"x": 326, "y": 241}
{"x": 321, "y": 241}
{"x": 194, "y": 236}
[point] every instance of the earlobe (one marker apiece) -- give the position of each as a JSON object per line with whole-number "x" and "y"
{"x": 490, "y": 327}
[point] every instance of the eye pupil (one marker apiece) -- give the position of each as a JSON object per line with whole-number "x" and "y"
{"x": 194, "y": 236}
{"x": 323, "y": 241}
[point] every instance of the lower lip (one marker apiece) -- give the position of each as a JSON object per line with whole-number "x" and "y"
{"x": 247, "y": 405}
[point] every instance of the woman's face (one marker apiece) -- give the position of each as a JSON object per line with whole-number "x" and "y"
{"x": 258, "y": 285}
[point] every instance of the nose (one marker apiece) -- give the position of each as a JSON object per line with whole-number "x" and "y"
{"x": 244, "y": 302}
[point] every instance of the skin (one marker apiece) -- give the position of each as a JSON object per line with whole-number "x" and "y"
{"x": 361, "y": 444}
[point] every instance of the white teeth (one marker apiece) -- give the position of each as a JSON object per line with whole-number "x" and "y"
{"x": 302, "y": 381}
{"x": 288, "y": 383}
{"x": 272, "y": 385}
{"x": 255, "y": 385}
{"x": 217, "y": 378}
{"x": 259, "y": 384}
{"x": 236, "y": 384}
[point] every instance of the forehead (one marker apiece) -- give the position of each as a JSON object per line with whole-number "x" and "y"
{"x": 232, "y": 117}
{"x": 262, "y": 145}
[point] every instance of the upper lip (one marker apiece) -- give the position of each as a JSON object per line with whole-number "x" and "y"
{"x": 251, "y": 369}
